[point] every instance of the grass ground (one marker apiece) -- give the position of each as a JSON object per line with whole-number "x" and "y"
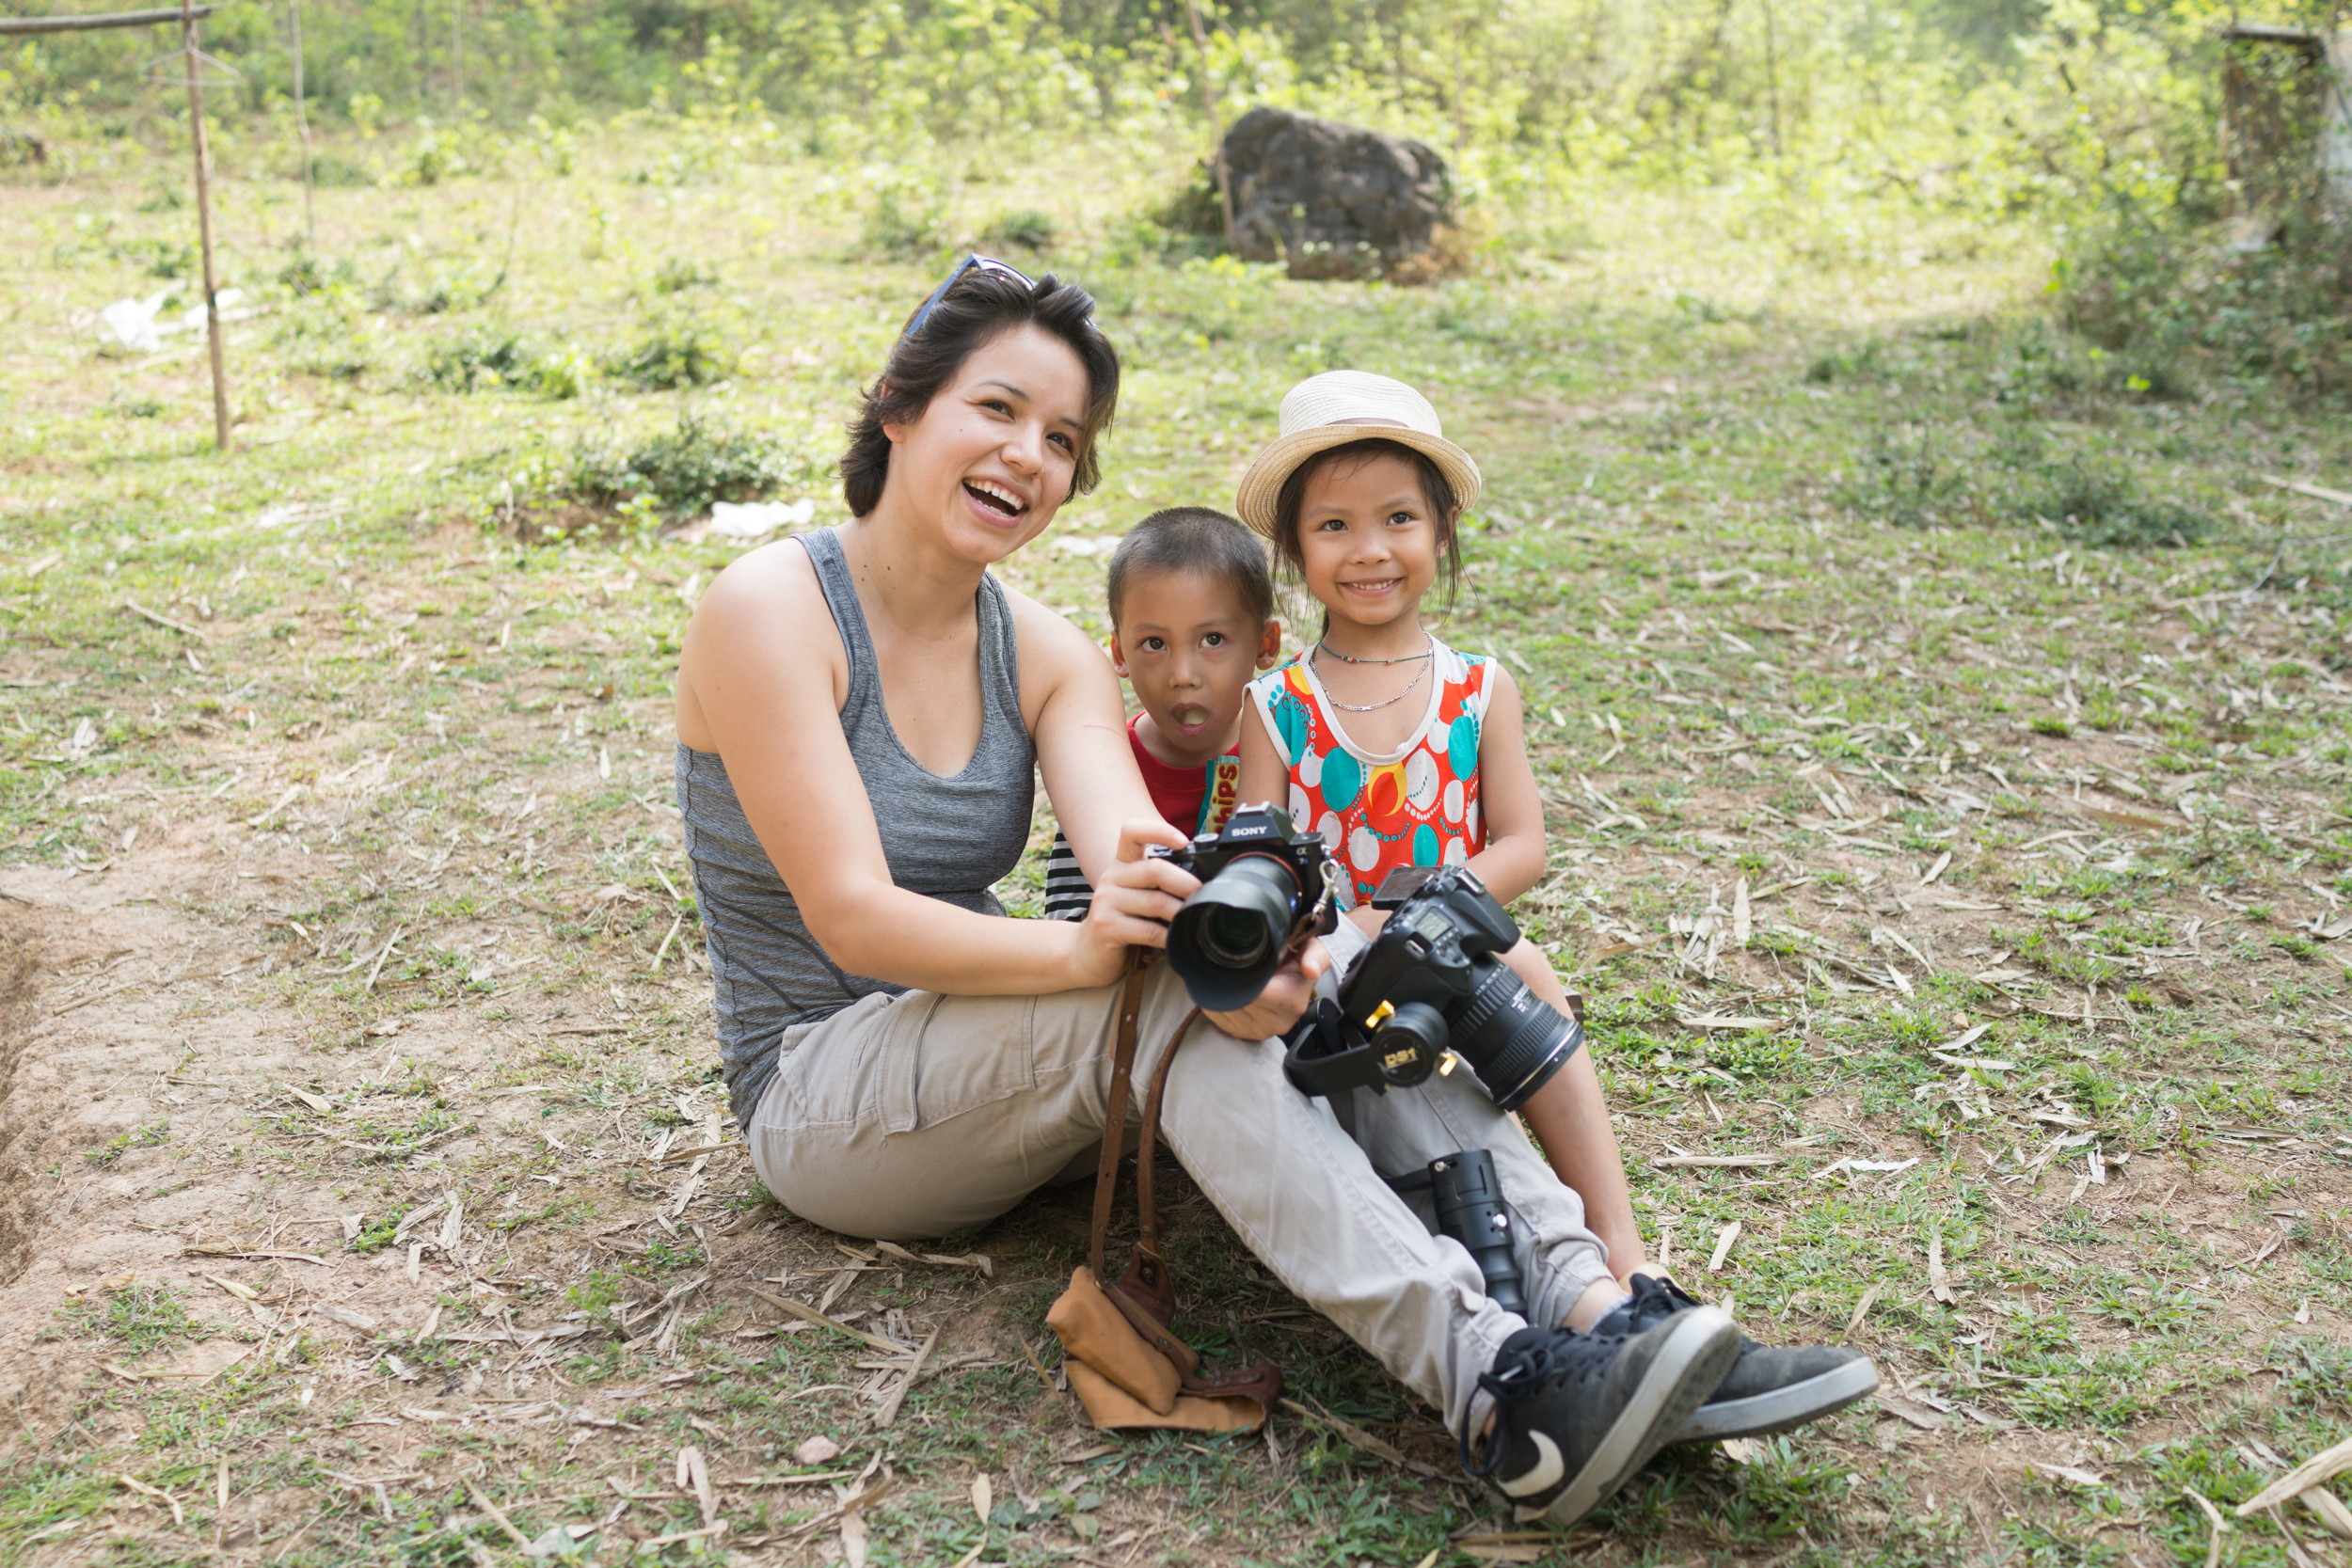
{"x": 367, "y": 1192}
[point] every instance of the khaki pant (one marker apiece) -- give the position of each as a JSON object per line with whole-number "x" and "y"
{"x": 913, "y": 1116}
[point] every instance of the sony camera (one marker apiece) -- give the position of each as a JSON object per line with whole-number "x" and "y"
{"x": 1264, "y": 890}
{"x": 1429, "y": 993}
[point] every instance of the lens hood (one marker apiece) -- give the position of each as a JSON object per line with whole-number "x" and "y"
{"x": 1229, "y": 939}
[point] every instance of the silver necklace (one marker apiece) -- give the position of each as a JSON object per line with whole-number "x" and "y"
{"x": 1385, "y": 702}
{"x": 1322, "y": 646}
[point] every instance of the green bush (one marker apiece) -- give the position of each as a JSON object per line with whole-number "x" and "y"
{"x": 680, "y": 472}
{"x": 2096, "y": 501}
{"x": 906, "y": 219}
{"x": 476, "y": 358}
{"x": 435, "y": 158}
{"x": 1025, "y": 228}
{"x": 164, "y": 258}
{"x": 308, "y": 272}
{"x": 1913, "y": 477}
{"x": 677, "y": 274}
{"x": 671, "y": 353}
{"x": 329, "y": 170}
{"x": 328, "y": 334}
{"x": 2169, "y": 298}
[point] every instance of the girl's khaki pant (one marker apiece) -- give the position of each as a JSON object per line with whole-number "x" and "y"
{"x": 918, "y": 1115}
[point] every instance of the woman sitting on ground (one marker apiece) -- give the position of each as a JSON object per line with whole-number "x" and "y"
{"x": 859, "y": 710}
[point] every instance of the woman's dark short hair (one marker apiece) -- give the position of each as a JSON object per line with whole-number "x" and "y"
{"x": 1194, "y": 539}
{"x": 981, "y": 307}
{"x": 1434, "y": 489}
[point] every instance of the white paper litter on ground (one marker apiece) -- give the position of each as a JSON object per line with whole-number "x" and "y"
{"x": 749, "y": 519}
{"x": 131, "y": 322}
{"x": 192, "y": 319}
{"x": 136, "y": 324}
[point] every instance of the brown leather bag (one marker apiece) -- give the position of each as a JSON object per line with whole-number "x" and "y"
{"x": 1125, "y": 1365}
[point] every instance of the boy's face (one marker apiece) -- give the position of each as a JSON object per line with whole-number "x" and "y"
{"x": 1190, "y": 651}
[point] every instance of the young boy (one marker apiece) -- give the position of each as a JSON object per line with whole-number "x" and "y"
{"x": 1192, "y": 623}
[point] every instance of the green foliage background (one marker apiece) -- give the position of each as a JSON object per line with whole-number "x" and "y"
{"x": 1840, "y": 128}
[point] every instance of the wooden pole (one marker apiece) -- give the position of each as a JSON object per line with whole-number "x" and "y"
{"x": 302, "y": 128}
{"x": 1217, "y": 132}
{"x": 212, "y": 328}
{"x": 17, "y": 26}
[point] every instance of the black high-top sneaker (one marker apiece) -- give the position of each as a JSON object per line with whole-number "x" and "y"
{"x": 1576, "y": 1415}
{"x": 1769, "y": 1388}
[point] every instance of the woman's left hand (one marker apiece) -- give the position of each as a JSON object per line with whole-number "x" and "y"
{"x": 1283, "y": 1002}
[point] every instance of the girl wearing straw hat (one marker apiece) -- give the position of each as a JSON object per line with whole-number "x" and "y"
{"x": 1403, "y": 752}
{"x": 1400, "y": 750}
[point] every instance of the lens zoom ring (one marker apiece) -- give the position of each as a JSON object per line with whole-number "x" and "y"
{"x": 1487, "y": 1001}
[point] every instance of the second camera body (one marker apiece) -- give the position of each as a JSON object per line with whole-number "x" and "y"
{"x": 1431, "y": 989}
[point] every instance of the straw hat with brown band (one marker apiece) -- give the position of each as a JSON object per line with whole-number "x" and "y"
{"x": 1335, "y": 408}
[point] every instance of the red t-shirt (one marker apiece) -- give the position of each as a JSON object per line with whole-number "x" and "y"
{"x": 1184, "y": 796}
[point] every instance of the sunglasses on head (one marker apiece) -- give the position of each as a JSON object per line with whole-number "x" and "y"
{"x": 972, "y": 263}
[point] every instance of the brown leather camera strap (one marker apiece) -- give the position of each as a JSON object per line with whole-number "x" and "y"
{"x": 1145, "y": 1293}
{"x": 1115, "y": 1115}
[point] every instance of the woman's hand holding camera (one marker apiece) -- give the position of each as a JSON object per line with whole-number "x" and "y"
{"x": 1133, "y": 903}
{"x": 1283, "y": 1002}
{"x": 1137, "y": 898}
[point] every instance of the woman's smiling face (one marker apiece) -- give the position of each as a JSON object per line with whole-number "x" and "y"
{"x": 992, "y": 457}
{"x": 1368, "y": 543}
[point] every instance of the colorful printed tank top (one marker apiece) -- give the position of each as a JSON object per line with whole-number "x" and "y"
{"x": 1417, "y": 806}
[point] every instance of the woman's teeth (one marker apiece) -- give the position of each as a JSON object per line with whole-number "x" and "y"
{"x": 996, "y": 497}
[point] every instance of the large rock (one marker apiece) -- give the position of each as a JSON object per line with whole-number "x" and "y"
{"x": 1333, "y": 200}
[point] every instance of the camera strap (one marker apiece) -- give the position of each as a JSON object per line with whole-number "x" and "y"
{"x": 1125, "y": 1365}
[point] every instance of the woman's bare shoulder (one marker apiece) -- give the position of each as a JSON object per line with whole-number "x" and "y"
{"x": 762, "y": 627}
{"x": 760, "y": 579}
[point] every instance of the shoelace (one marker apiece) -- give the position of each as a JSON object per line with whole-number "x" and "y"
{"x": 1653, "y": 1302}
{"x": 1568, "y": 1354}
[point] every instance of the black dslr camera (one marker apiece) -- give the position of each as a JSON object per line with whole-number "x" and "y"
{"x": 1263, "y": 889}
{"x": 1429, "y": 990}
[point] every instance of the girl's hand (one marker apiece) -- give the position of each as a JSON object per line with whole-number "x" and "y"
{"x": 1135, "y": 900}
{"x": 1283, "y": 1002}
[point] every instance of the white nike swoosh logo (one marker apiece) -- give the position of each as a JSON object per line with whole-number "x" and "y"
{"x": 1547, "y": 1473}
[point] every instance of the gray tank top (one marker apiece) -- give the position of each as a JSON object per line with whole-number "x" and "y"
{"x": 950, "y": 838}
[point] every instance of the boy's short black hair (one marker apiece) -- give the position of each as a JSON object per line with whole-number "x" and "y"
{"x": 1195, "y": 539}
{"x": 1435, "y": 488}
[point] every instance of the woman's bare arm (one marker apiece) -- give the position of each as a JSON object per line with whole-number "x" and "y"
{"x": 760, "y": 678}
{"x": 1070, "y": 698}
{"x": 1513, "y": 860}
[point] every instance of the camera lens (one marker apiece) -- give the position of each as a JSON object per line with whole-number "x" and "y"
{"x": 1232, "y": 939}
{"x": 1226, "y": 943}
{"x": 1511, "y": 1039}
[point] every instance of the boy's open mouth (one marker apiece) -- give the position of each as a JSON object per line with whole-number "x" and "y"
{"x": 996, "y": 497}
